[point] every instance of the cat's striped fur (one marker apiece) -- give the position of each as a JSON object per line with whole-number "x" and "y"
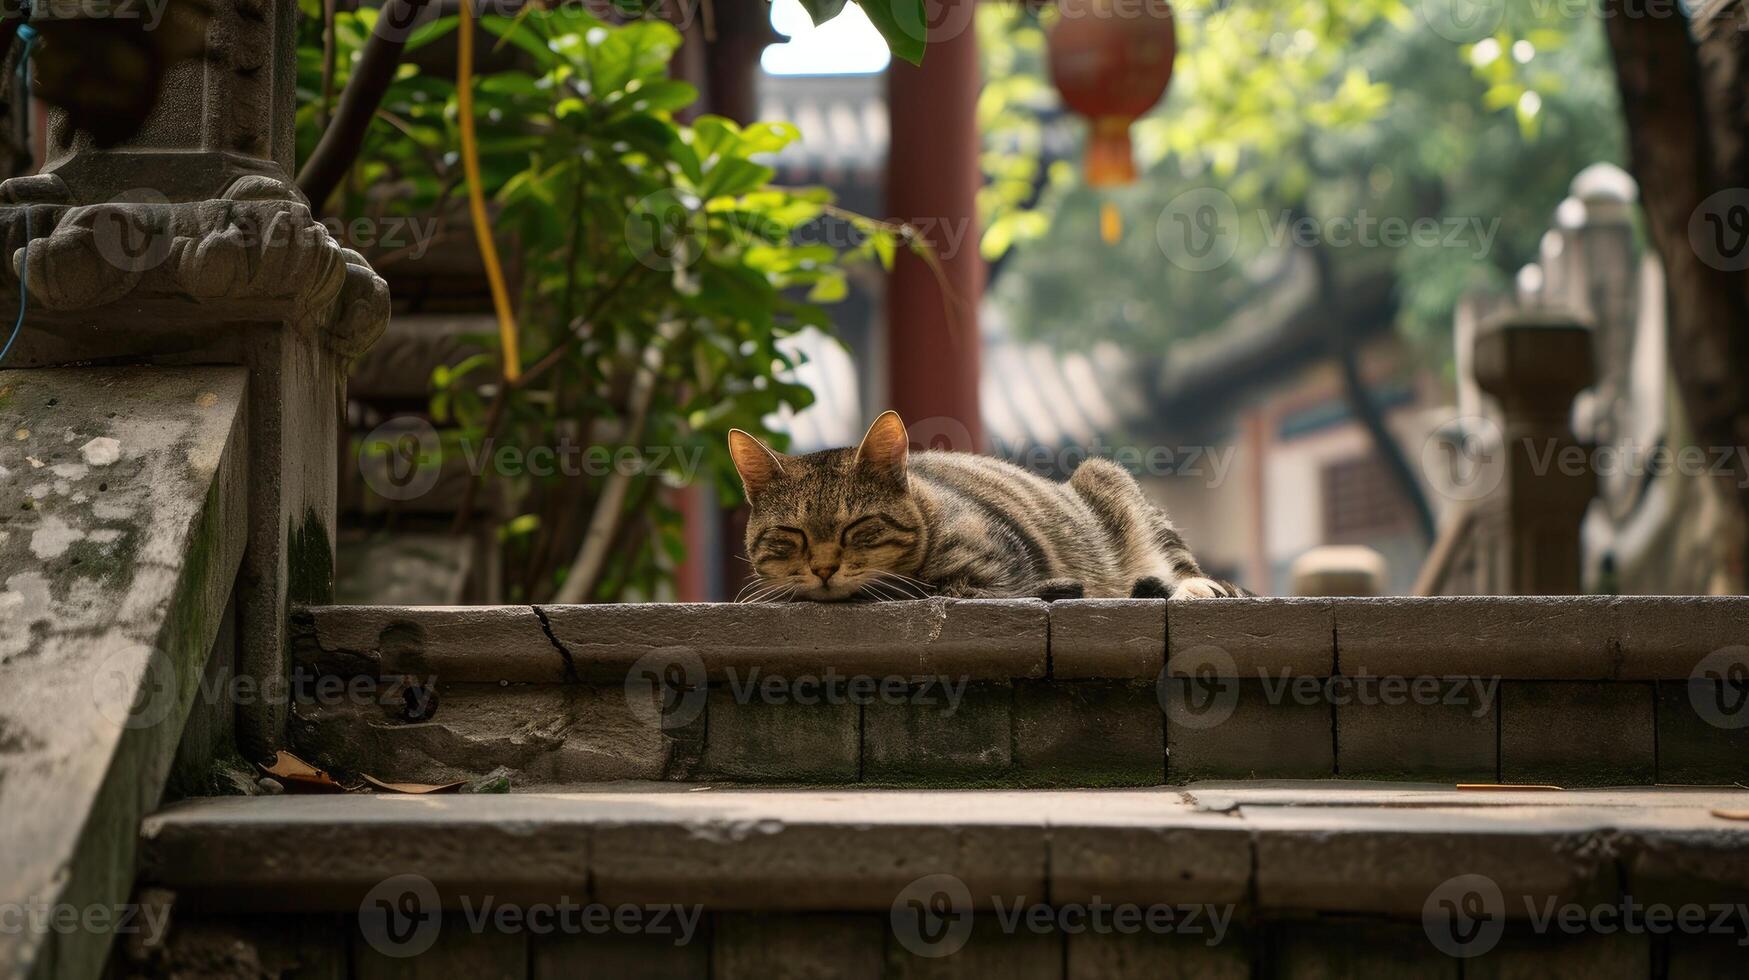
{"x": 880, "y": 522}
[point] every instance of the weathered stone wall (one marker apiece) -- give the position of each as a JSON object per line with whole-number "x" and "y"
{"x": 1570, "y": 691}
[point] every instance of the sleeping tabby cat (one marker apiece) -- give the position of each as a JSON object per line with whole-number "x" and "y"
{"x": 878, "y": 522}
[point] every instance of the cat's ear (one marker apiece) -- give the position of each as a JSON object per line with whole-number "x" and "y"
{"x": 756, "y": 463}
{"x": 885, "y": 447}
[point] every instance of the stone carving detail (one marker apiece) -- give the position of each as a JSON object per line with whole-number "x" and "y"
{"x": 251, "y": 251}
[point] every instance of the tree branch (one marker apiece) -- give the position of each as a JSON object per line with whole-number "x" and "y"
{"x": 344, "y": 137}
{"x": 1664, "y": 101}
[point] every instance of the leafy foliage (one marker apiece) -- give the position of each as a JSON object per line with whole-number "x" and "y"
{"x": 659, "y": 273}
{"x": 1358, "y": 110}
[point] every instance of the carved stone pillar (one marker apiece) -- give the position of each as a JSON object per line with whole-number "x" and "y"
{"x": 1534, "y": 363}
{"x": 189, "y": 244}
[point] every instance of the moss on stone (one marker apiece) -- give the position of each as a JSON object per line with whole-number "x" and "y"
{"x": 309, "y": 563}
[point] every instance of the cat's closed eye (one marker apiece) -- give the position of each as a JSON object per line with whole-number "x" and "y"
{"x": 866, "y": 533}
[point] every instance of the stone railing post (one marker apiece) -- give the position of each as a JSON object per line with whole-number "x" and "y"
{"x": 189, "y": 244}
{"x": 1533, "y": 362}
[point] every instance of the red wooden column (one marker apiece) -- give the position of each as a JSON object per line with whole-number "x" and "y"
{"x": 933, "y": 177}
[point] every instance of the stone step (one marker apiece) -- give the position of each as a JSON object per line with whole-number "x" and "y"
{"x": 1572, "y": 691}
{"x": 1253, "y": 878}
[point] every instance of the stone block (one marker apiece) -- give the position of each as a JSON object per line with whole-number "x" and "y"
{"x": 1406, "y": 855}
{"x": 1108, "y": 638}
{"x": 1157, "y": 956}
{"x": 990, "y": 950}
{"x": 458, "y": 950}
{"x": 1577, "y": 733}
{"x": 1703, "y": 733}
{"x": 936, "y": 736}
{"x": 755, "y": 740}
{"x": 1447, "y": 741}
{"x": 1121, "y": 852}
{"x": 617, "y": 956}
{"x": 483, "y": 644}
{"x": 976, "y": 639}
{"x": 798, "y": 946}
{"x": 1251, "y": 637}
{"x": 1316, "y": 951}
{"x": 1668, "y": 637}
{"x": 306, "y": 946}
{"x": 1526, "y": 955}
{"x": 1227, "y": 728}
{"x": 836, "y": 851}
{"x": 1523, "y": 637}
{"x": 550, "y": 734}
{"x": 1088, "y": 733}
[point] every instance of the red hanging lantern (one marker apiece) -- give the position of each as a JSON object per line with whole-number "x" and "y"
{"x": 1111, "y": 61}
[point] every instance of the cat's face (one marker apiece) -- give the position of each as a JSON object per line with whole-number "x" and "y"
{"x": 833, "y": 525}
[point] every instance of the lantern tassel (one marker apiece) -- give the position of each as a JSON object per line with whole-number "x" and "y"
{"x": 1110, "y": 223}
{"x": 1110, "y": 160}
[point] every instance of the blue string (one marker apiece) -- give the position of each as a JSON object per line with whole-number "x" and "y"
{"x": 29, "y": 36}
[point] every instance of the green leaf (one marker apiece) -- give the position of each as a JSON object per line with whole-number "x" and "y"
{"x": 822, "y": 10}
{"x": 734, "y": 176}
{"x": 903, "y": 23}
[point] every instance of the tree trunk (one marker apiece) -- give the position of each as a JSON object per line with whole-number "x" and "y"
{"x": 1684, "y": 101}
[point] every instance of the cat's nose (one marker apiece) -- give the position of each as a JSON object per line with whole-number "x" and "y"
{"x": 825, "y": 572}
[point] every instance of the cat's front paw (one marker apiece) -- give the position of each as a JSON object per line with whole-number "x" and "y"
{"x": 1199, "y": 588}
{"x": 1058, "y": 589}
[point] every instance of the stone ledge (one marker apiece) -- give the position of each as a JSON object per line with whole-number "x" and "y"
{"x": 1108, "y": 638}
{"x": 1517, "y": 638}
{"x": 117, "y": 562}
{"x": 1538, "y": 637}
{"x": 977, "y": 640}
{"x": 1248, "y": 637}
{"x": 1357, "y": 848}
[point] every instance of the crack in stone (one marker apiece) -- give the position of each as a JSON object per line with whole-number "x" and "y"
{"x": 571, "y": 676}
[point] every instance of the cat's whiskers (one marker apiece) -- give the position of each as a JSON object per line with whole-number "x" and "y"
{"x": 768, "y": 590}
{"x": 906, "y": 586}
